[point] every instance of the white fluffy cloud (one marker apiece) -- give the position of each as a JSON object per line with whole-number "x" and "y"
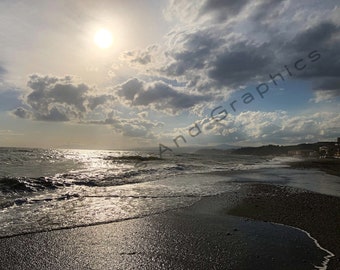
{"x": 255, "y": 127}
{"x": 132, "y": 127}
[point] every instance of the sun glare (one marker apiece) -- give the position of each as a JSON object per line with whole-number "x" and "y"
{"x": 103, "y": 39}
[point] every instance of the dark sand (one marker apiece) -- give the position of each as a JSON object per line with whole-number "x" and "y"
{"x": 198, "y": 237}
{"x": 316, "y": 213}
{"x": 330, "y": 166}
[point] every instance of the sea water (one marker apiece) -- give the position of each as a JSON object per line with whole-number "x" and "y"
{"x": 47, "y": 189}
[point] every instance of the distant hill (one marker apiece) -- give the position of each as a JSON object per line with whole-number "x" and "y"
{"x": 225, "y": 146}
{"x": 279, "y": 150}
{"x": 220, "y": 149}
{"x": 266, "y": 150}
{"x": 212, "y": 151}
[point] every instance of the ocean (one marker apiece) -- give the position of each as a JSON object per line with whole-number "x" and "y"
{"x": 49, "y": 189}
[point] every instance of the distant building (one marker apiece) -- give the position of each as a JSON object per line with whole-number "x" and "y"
{"x": 303, "y": 153}
{"x": 338, "y": 148}
{"x": 329, "y": 149}
{"x": 323, "y": 151}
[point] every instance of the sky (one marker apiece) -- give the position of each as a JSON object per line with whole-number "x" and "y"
{"x": 241, "y": 73}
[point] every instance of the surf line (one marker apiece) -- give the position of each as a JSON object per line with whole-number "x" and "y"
{"x": 327, "y": 258}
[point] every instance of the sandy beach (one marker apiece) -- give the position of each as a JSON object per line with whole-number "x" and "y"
{"x": 206, "y": 235}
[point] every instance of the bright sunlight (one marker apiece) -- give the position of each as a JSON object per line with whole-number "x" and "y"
{"x": 103, "y": 39}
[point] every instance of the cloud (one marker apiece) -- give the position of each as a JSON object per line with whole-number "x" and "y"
{"x": 49, "y": 91}
{"x": 222, "y": 9}
{"x": 59, "y": 99}
{"x": 325, "y": 95}
{"x": 94, "y": 102}
{"x": 133, "y": 127}
{"x": 62, "y": 99}
{"x": 219, "y": 46}
{"x": 216, "y": 60}
{"x": 325, "y": 75}
{"x": 191, "y": 51}
{"x": 158, "y": 96}
{"x": 256, "y": 127}
{"x": 318, "y": 36}
{"x": 2, "y": 71}
{"x": 22, "y": 113}
{"x": 140, "y": 57}
{"x": 240, "y": 64}
{"x": 250, "y": 125}
{"x": 213, "y": 10}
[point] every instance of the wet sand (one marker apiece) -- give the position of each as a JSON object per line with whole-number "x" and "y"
{"x": 202, "y": 236}
{"x": 316, "y": 213}
{"x": 330, "y": 166}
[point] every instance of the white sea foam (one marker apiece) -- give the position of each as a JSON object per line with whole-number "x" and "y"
{"x": 327, "y": 258}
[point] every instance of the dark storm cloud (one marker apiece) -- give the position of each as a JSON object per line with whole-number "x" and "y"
{"x": 318, "y": 36}
{"x": 48, "y": 90}
{"x": 222, "y": 9}
{"x": 129, "y": 89}
{"x": 192, "y": 52}
{"x": 326, "y": 38}
{"x": 328, "y": 84}
{"x": 207, "y": 59}
{"x": 157, "y": 95}
{"x": 240, "y": 63}
{"x": 159, "y": 91}
{"x": 266, "y": 9}
{"x": 222, "y": 54}
{"x": 326, "y": 88}
{"x": 59, "y": 99}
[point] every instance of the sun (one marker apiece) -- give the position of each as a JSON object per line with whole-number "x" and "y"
{"x": 103, "y": 38}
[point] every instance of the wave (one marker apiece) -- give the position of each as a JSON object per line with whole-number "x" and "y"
{"x": 133, "y": 158}
{"x": 25, "y": 184}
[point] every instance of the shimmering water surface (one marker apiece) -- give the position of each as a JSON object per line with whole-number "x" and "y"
{"x": 50, "y": 189}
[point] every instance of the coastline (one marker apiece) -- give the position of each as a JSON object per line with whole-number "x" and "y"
{"x": 206, "y": 235}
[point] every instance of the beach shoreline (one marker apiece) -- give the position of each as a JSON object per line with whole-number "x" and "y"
{"x": 255, "y": 226}
{"x": 212, "y": 232}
